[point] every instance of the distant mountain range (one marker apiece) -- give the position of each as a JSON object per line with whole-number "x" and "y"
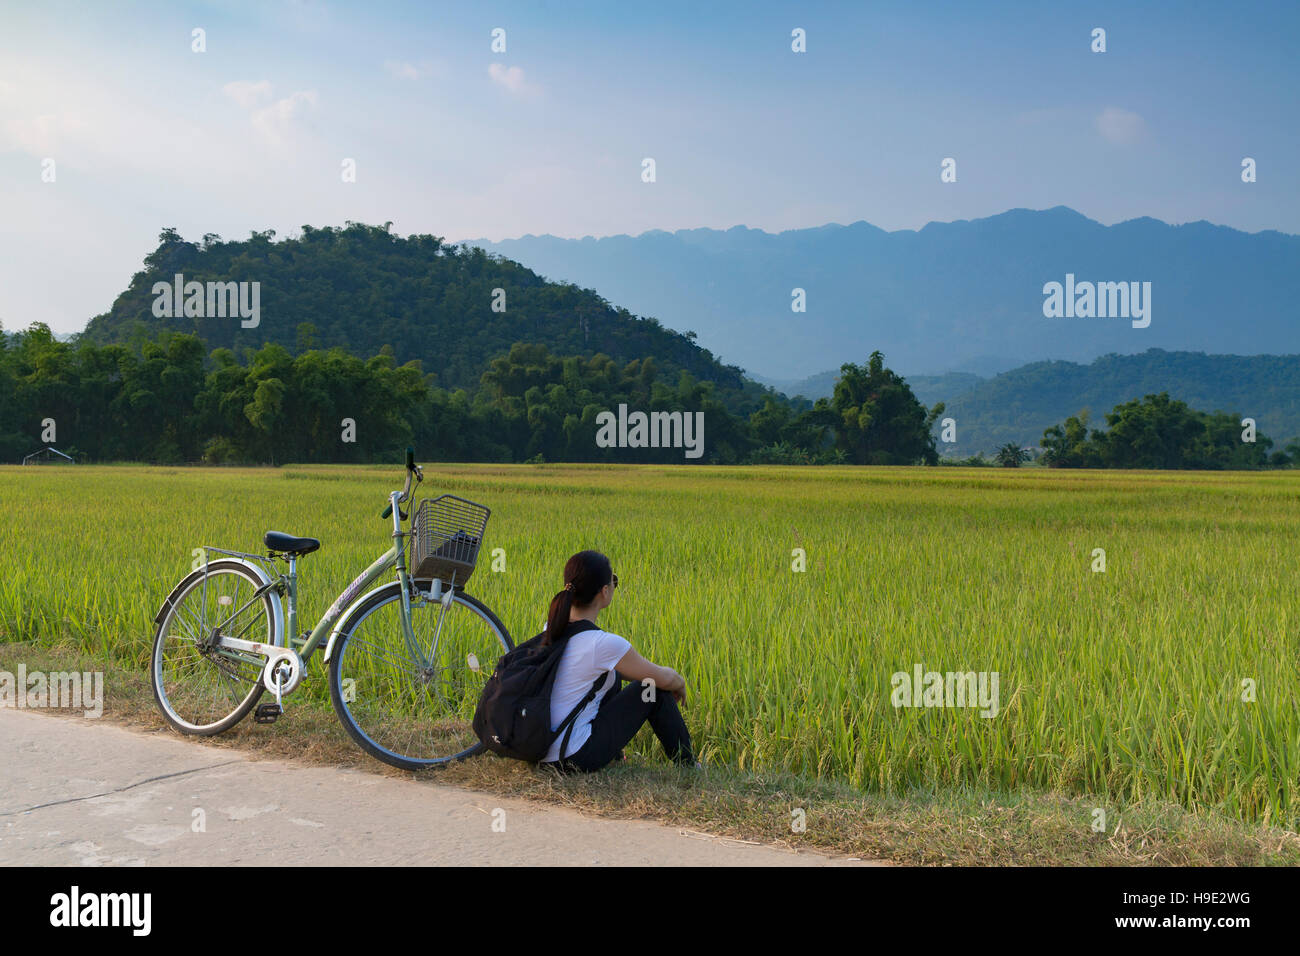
{"x": 960, "y": 296}
{"x": 1017, "y": 405}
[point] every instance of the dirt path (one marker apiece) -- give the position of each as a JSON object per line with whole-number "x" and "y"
{"x": 76, "y": 792}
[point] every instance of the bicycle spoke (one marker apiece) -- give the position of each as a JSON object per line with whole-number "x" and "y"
{"x": 405, "y": 662}
{"x": 196, "y": 621}
{"x": 412, "y": 712}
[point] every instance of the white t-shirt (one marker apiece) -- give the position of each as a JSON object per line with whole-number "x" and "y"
{"x": 588, "y": 654}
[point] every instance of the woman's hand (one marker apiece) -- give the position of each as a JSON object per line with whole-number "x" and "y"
{"x": 678, "y": 688}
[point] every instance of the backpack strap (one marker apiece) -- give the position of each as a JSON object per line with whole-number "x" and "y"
{"x": 567, "y": 725}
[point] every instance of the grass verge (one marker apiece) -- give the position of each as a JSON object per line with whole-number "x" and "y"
{"x": 944, "y": 827}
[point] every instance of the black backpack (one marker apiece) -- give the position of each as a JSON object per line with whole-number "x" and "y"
{"x": 513, "y": 717}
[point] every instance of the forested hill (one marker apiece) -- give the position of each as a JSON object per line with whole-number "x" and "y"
{"x": 1017, "y": 405}
{"x": 362, "y": 287}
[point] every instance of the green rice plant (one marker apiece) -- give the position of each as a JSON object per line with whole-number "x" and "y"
{"x": 1169, "y": 676}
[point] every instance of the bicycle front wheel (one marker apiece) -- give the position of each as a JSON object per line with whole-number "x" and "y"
{"x": 399, "y": 712}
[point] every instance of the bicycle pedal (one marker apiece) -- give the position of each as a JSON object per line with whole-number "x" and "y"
{"x": 267, "y": 713}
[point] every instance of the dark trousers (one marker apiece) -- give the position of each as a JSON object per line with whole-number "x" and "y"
{"x": 621, "y": 714}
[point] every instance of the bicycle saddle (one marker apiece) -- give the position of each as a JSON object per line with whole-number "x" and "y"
{"x": 288, "y": 544}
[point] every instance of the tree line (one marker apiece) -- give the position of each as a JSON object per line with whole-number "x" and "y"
{"x": 171, "y": 400}
{"x": 1157, "y": 432}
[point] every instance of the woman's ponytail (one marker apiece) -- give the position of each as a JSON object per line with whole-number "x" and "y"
{"x": 558, "y": 617}
{"x": 584, "y": 575}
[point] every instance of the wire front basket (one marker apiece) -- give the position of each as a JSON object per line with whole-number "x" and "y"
{"x": 446, "y": 536}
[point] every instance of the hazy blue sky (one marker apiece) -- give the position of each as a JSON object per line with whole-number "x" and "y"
{"x": 548, "y": 137}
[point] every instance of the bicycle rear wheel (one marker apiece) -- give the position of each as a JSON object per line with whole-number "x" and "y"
{"x": 407, "y": 716}
{"x": 198, "y": 690}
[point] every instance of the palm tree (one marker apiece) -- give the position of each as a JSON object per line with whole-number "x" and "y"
{"x": 1011, "y": 455}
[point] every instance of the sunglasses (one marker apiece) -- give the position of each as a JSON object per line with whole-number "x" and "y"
{"x": 615, "y": 580}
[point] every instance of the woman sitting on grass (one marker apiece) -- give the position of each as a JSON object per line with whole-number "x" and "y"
{"x": 610, "y": 721}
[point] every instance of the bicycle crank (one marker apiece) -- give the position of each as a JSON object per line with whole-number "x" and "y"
{"x": 283, "y": 671}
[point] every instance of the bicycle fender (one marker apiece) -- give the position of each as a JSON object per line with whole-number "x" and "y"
{"x": 277, "y": 608}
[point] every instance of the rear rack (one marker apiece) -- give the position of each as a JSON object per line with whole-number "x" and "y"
{"x": 265, "y": 560}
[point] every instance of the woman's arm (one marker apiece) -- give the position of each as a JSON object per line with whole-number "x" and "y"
{"x": 632, "y": 666}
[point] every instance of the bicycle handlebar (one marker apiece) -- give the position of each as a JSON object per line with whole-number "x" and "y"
{"x": 412, "y": 471}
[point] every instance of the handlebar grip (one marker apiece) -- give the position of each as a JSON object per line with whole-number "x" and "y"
{"x": 410, "y": 458}
{"x": 387, "y": 511}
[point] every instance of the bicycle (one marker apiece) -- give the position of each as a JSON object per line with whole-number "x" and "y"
{"x": 406, "y": 660}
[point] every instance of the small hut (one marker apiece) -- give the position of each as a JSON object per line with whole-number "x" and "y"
{"x": 48, "y": 456}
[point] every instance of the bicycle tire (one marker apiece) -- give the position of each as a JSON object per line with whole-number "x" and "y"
{"x": 381, "y": 597}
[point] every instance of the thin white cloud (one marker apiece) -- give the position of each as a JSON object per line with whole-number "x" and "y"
{"x": 407, "y": 71}
{"x": 247, "y": 93}
{"x": 1120, "y": 126}
{"x": 85, "y": 123}
{"x": 42, "y": 135}
{"x": 511, "y": 79}
{"x": 276, "y": 119}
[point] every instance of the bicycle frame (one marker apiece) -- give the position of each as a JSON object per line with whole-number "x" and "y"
{"x": 287, "y": 584}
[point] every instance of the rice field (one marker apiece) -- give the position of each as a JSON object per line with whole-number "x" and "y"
{"x": 1170, "y": 675}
